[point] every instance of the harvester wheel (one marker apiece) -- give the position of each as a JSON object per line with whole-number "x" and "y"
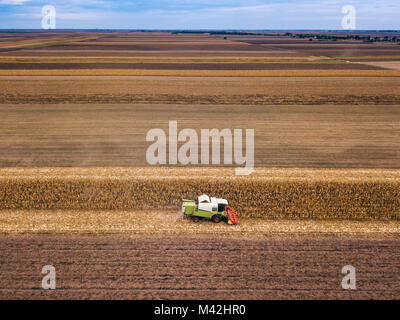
{"x": 216, "y": 219}
{"x": 196, "y": 219}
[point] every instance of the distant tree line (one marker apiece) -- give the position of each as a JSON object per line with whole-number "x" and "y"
{"x": 365, "y": 38}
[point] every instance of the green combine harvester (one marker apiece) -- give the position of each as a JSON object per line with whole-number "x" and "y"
{"x": 209, "y": 208}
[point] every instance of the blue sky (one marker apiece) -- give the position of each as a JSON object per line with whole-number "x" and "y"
{"x": 201, "y": 14}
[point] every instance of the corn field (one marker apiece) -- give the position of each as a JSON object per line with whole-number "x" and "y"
{"x": 268, "y": 193}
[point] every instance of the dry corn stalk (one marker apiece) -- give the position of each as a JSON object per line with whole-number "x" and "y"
{"x": 268, "y": 193}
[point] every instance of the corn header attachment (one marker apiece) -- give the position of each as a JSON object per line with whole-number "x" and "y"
{"x": 232, "y": 216}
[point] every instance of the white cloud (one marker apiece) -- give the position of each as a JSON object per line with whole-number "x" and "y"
{"x": 13, "y": 2}
{"x": 213, "y": 14}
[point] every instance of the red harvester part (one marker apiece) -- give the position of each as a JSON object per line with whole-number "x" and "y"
{"x": 233, "y": 217}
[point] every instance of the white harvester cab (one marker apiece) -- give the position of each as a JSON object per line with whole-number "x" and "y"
{"x": 211, "y": 204}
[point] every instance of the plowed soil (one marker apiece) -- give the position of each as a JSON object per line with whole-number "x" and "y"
{"x": 214, "y": 46}
{"x": 189, "y": 66}
{"x": 116, "y": 267}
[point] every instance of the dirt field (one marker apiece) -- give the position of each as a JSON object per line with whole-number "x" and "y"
{"x": 204, "y": 73}
{"x": 189, "y": 66}
{"x": 114, "y": 135}
{"x": 395, "y": 65}
{"x": 75, "y": 108}
{"x": 148, "y": 53}
{"x": 200, "y": 90}
{"x": 365, "y": 89}
{"x": 116, "y": 267}
{"x": 301, "y": 117}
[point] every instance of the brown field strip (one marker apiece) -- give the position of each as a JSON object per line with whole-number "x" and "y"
{"x": 150, "y": 53}
{"x": 160, "y": 42}
{"x": 246, "y": 91}
{"x": 189, "y": 66}
{"x": 184, "y": 79}
{"x": 41, "y": 42}
{"x": 77, "y": 192}
{"x": 249, "y": 99}
{"x": 348, "y": 52}
{"x": 210, "y": 59}
{"x": 143, "y": 46}
{"x": 118, "y": 267}
{"x": 324, "y": 194}
{"x": 209, "y": 73}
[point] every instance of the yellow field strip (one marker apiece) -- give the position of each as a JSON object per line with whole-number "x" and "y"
{"x": 217, "y": 57}
{"x": 295, "y": 174}
{"x": 203, "y": 42}
{"x": 323, "y": 194}
{"x": 164, "y": 60}
{"x": 158, "y": 222}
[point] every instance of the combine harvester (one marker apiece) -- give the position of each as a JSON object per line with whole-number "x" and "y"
{"x": 209, "y": 208}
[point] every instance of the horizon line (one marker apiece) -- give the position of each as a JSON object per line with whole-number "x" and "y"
{"x": 196, "y": 30}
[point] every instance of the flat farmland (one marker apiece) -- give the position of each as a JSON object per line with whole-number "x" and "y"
{"x": 115, "y": 134}
{"x": 206, "y": 55}
{"x": 77, "y": 192}
{"x": 175, "y": 45}
{"x": 356, "y": 72}
{"x": 324, "y": 47}
{"x": 46, "y": 52}
{"x": 212, "y": 45}
{"x": 200, "y": 90}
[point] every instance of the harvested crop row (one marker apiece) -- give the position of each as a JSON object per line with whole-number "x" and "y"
{"x": 290, "y": 194}
{"x": 204, "y": 73}
{"x": 245, "y": 99}
{"x": 187, "y": 66}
